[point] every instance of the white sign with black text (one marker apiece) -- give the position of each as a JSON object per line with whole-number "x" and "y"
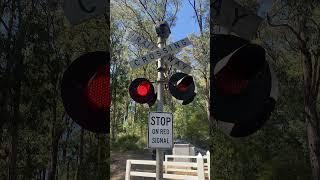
{"x": 160, "y": 130}
{"x": 170, "y": 59}
{"x": 141, "y": 41}
{"x": 159, "y": 53}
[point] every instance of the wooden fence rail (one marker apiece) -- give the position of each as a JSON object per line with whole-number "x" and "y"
{"x": 206, "y": 164}
{"x": 199, "y": 170}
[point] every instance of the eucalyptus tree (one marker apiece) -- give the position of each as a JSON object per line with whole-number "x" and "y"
{"x": 201, "y": 47}
{"x": 300, "y": 24}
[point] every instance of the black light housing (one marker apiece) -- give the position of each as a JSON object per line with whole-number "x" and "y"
{"x": 141, "y": 91}
{"x": 85, "y": 91}
{"x": 182, "y": 87}
{"x": 242, "y": 85}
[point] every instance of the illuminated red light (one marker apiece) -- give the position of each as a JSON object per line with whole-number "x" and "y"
{"x": 143, "y": 88}
{"x": 142, "y": 91}
{"x": 99, "y": 88}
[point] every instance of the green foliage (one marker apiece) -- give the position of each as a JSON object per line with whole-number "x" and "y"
{"x": 191, "y": 124}
{"x": 34, "y": 52}
{"x": 126, "y": 143}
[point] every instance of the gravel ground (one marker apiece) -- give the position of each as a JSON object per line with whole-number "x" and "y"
{"x": 118, "y": 164}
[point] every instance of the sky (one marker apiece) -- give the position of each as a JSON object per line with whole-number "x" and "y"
{"x": 186, "y": 22}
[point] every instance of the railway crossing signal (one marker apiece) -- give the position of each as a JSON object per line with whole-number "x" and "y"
{"x": 182, "y": 87}
{"x": 85, "y": 91}
{"x": 243, "y": 86}
{"x": 142, "y": 91}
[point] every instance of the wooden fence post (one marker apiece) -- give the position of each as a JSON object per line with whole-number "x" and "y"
{"x": 128, "y": 169}
{"x": 200, "y": 167}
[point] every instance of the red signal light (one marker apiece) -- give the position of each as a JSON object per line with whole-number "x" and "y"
{"x": 85, "y": 91}
{"x": 141, "y": 91}
{"x": 99, "y": 87}
{"x": 143, "y": 88}
{"x": 182, "y": 87}
{"x": 230, "y": 83}
{"x": 242, "y": 66}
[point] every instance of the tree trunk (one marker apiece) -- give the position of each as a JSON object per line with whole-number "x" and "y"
{"x": 114, "y": 101}
{"x": 105, "y": 166}
{"x": 40, "y": 174}
{"x": 28, "y": 172}
{"x": 98, "y": 164}
{"x": 16, "y": 118}
{"x": 311, "y": 112}
{"x": 57, "y": 173}
{"x": 12, "y": 174}
{"x": 68, "y": 166}
{"x": 6, "y": 83}
{"x": 54, "y": 158}
{"x": 125, "y": 119}
{"x": 79, "y": 168}
{"x": 13, "y": 153}
{"x": 44, "y": 174}
{"x": 65, "y": 146}
{"x": 313, "y": 133}
{"x": 135, "y": 114}
{"x": 207, "y": 90}
{"x": 141, "y": 129}
{"x": 56, "y": 133}
{"x": 14, "y": 132}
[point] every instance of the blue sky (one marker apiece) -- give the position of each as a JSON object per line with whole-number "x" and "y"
{"x": 186, "y": 24}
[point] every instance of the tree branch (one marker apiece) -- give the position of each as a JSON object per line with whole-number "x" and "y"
{"x": 303, "y": 48}
{"x": 284, "y": 25}
{"x": 145, "y": 8}
{"x": 165, "y": 10}
{"x": 139, "y": 21}
{"x": 317, "y": 26}
{"x": 290, "y": 44}
{"x": 199, "y": 18}
{"x": 317, "y": 76}
{"x": 174, "y": 15}
{"x": 4, "y": 25}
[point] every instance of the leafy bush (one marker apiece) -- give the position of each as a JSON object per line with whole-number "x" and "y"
{"x": 126, "y": 142}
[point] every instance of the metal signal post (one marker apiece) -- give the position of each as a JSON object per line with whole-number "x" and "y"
{"x": 163, "y": 32}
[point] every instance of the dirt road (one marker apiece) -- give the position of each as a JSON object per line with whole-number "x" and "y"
{"x": 119, "y": 159}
